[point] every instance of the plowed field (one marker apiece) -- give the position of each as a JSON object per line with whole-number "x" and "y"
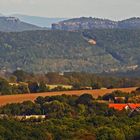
{"x": 25, "y": 97}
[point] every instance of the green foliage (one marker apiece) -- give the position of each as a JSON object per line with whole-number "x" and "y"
{"x": 96, "y": 86}
{"x": 107, "y": 133}
{"x": 12, "y": 130}
{"x": 33, "y": 87}
{"x": 12, "y": 79}
{"x": 4, "y": 87}
{"x": 85, "y": 99}
{"x": 43, "y": 87}
{"x": 67, "y": 120}
{"x": 26, "y": 108}
{"x": 42, "y": 51}
{"x": 20, "y": 75}
{"x": 123, "y": 97}
{"x": 56, "y": 109}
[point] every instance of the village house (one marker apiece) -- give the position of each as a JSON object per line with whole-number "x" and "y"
{"x": 27, "y": 117}
{"x": 123, "y": 106}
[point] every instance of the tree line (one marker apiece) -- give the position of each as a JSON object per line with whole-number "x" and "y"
{"x": 20, "y": 82}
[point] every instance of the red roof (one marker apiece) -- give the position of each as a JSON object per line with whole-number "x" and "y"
{"x": 122, "y": 106}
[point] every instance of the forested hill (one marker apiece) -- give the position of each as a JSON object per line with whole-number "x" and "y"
{"x": 42, "y": 51}
{"x": 12, "y": 24}
{"x": 39, "y": 21}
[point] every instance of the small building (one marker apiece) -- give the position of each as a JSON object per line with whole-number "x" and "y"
{"x": 86, "y": 88}
{"x": 27, "y": 117}
{"x": 120, "y": 107}
{"x": 68, "y": 87}
{"x": 120, "y": 99}
{"x": 14, "y": 84}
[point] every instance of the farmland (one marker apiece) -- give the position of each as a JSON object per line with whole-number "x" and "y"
{"x": 25, "y": 97}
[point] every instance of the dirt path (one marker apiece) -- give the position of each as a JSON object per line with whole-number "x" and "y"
{"x": 25, "y": 97}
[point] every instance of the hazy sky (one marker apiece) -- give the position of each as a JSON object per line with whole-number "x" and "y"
{"x": 113, "y": 9}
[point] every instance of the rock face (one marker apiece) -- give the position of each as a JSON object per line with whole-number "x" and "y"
{"x": 95, "y": 23}
{"x": 12, "y": 24}
{"x": 84, "y": 23}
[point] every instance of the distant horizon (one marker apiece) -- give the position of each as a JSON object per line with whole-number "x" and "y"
{"x": 110, "y": 9}
{"x": 22, "y": 14}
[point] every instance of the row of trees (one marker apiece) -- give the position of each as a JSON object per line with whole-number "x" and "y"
{"x": 33, "y": 83}
{"x": 21, "y": 88}
{"x": 76, "y": 79}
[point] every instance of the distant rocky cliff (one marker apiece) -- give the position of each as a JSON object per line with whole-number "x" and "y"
{"x": 95, "y": 23}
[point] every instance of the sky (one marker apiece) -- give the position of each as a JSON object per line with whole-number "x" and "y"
{"x": 112, "y": 9}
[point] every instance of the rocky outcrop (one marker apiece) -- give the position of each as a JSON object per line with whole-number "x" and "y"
{"x": 95, "y": 23}
{"x": 84, "y": 23}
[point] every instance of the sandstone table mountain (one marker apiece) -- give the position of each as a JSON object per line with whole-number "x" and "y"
{"x": 95, "y": 23}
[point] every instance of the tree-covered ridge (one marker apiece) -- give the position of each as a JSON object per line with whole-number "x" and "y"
{"x": 13, "y": 24}
{"x": 43, "y": 51}
{"x": 123, "y": 45}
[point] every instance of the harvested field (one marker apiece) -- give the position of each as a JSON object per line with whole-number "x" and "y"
{"x": 25, "y": 97}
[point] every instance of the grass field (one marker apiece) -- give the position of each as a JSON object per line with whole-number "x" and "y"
{"x": 25, "y": 97}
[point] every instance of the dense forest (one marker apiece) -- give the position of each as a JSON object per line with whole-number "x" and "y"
{"x": 68, "y": 118}
{"x": 62, "y": 51}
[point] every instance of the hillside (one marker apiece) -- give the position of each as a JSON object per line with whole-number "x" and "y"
{"x": 12, "y": 24}
{"x": 43, "y": 51}
{"x": 129, "y": 23}
{"x": 96, "y": 23}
